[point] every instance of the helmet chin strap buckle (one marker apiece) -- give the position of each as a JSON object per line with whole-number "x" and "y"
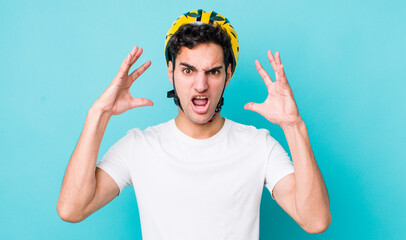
{"x": 170, "y": 94}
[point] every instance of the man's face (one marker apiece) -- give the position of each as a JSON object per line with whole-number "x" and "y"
{"x": 199, "y": 80}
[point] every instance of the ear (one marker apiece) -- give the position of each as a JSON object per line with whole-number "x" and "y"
{"x": 170, "y": 72}
{"x": 229, "y": 74}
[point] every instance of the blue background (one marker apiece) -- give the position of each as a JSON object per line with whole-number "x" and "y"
{"x": 344, "y": 61}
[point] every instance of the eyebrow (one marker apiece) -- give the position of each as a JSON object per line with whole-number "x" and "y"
{"x": 193, "y": 68}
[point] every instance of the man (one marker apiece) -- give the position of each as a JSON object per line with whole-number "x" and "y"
{"x": 198, "y": 176}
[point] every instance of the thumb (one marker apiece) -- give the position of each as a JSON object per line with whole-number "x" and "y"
{"x": 253, "y": 107}
{"x": 141, "y": 102}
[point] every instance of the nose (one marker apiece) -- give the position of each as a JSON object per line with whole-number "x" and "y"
{"x": 201, "y": 82}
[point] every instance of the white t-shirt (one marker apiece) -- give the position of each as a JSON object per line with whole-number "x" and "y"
{"x": 190, "y": 188}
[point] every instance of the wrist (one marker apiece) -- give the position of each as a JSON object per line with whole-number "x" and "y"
{"x": 98, "y": 111}
{"x": 294, "y": 125}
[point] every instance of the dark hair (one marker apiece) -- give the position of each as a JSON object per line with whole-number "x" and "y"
{"x": 189, "y": 35}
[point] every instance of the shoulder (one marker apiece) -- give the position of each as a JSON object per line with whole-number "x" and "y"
{"x": 247, "y": 132}
{"x": 151, "y": 132}
{"x": 243, "y": 128}
{"x": 251, "y": 133}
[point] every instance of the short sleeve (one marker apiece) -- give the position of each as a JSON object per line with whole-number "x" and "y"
{"x": 279, "y": 164}
{"x": 116, "y": 161}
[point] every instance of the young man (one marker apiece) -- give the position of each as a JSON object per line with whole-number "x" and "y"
{"x": 198, "y": 176}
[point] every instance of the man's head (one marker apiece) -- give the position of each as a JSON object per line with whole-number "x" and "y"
{"x": 189, "y": 35}
{"x": 188, "y": 43}
{"x": 200, "y": 77}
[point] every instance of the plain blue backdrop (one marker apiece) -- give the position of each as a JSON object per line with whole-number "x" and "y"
{"x": 344, "y": 61}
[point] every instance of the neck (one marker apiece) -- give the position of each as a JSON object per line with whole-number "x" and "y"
{"x": 199, "y": 131}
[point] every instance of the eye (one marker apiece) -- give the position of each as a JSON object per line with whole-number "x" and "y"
{"x": 214, "y": 72}
{"x": 187, "y": 71}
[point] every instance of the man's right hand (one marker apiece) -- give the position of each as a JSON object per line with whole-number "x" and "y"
{"x": 85, "y": 188}
{"x": 117, "y": 98}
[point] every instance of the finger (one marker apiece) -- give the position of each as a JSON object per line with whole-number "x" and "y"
{"x": 267, "y": 79}
{"x": 281, "y": 71}
{"x": 277, "y": 58}
{"x": 134, "y": 50}
{"x": 136, "y": 56}
{"x": 126, "y": 64}
{"x": 141, "y": 102}
{"x": 255, "y": 107}
{"x": 272, "y": 60}
{"x": 281, "y": 74}
{"x": 134, "y": 75}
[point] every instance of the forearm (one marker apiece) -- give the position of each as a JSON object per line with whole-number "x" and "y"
{"x": 311, "y": 196}
{"x": 79, "y": 183}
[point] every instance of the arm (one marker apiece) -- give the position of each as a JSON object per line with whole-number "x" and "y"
{"x": 303, "y": 194}
{"x": 85, "y": 188}
{"x": 81, "y": 177}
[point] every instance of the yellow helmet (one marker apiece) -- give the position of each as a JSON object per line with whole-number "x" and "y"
{"x": 211, "y": 18}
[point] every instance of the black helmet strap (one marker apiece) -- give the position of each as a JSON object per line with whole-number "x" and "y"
{"x": 172, "y": 93}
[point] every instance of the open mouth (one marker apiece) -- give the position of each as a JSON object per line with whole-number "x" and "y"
{"x": 200, "y": 104}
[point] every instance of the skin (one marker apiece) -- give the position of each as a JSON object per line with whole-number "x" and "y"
{"x": 303, "y": 194}
{"x": 85, "y": 188}
{"x": 199, "y": 71}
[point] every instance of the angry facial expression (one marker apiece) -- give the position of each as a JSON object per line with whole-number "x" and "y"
{"x": 199, "y": 80}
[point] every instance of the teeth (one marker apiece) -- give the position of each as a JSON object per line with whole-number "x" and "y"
{"x": 200, "y": 97}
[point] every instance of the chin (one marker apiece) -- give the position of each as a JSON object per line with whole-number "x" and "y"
{"x": 199, "y": 119}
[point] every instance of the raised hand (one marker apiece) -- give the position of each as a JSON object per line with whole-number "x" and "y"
{"x": 117, "y": 98}
{"x": 280, "y": 106}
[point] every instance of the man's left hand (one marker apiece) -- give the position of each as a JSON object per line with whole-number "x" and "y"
{"x": 280, "y": 106}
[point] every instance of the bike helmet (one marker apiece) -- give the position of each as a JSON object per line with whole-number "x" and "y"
{"x": 201, "y": 17}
